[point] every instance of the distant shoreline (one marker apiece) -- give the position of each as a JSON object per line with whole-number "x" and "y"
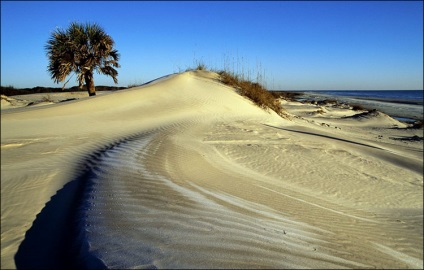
{"x": 402, "y": 109}
{"x": 407, "y": 109}
{"x": 390, "y": 100}
{"x": 402, "y": 101}
{"x": 12, "y": 91}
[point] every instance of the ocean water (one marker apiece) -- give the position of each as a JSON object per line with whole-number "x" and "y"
{"x": 394, "y": 95}
{"x": 404, "y": 105}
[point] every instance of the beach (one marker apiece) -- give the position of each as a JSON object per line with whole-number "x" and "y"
{"x": 183, "y": 172}
{"x": 408, "y": 109}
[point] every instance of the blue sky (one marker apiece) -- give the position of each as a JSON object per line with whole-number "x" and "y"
{"x": 311, "y": 45}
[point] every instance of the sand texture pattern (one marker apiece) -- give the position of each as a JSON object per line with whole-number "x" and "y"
{"x": 185, "y": 173}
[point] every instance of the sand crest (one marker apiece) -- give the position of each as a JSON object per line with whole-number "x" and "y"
{"x": 184, "y": 172}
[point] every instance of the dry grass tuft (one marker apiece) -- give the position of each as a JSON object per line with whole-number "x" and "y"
{"x": 201, "y": 66}
{"x": 47, "y": 99}
{"x": 286, "y": 95}
{"x": 357, "y": 107}
{"x": 417, "y": 125}
{"x": 254, "y": 91}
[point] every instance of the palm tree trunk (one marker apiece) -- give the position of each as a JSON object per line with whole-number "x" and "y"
{"x": 89, "y": 84}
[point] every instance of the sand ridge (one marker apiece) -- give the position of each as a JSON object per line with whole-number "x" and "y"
{"x": 193, "y": 175}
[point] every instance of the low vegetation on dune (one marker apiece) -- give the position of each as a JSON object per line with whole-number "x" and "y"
{"x": 252, "y": 90}
{"x": 286, "y": 95}
{"x": 417, "y": 124}
{"x": 357, "y": 107}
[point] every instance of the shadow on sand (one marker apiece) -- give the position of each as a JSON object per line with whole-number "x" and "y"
{"x": 54, "y": 241}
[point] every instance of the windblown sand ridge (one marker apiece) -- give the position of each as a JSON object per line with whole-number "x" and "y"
{"x": 184, "y": 172}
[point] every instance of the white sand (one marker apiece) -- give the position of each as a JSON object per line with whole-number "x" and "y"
{"x": 187, "y": 173}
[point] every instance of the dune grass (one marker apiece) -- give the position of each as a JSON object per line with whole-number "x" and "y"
{"x": 357, "y": 107}
{"x": 254, "y": 91}
{"x": 417, "y": 125}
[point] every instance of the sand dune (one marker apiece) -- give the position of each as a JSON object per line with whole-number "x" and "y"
{"x": 185, "y": 173}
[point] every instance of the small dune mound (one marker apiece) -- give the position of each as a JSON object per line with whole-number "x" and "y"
{"x": 414, "y": 138}
{"x": 320, "y": 111}
{"x": 6, "y": 98}
{"x": 7, "y": 102}
{"x": 367, "y": 115}
{"x": 376, "y": 119}
{"x": 10, "y": 102}
{"x": 417, "y": 125}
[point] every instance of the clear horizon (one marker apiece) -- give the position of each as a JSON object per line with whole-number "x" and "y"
{"x": 295, "y": 46}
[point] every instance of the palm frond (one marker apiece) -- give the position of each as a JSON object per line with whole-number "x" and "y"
{"x": 81, "y": 48}
{"x": 109, "y": 71}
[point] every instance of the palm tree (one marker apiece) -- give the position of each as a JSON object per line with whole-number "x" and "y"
{"x": 83, "y": 49}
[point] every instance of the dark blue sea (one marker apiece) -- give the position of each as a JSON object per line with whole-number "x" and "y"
{"x": 388, "y": 95}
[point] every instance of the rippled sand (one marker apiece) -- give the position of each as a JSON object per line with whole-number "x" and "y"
{"x": 185, "y": 173}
